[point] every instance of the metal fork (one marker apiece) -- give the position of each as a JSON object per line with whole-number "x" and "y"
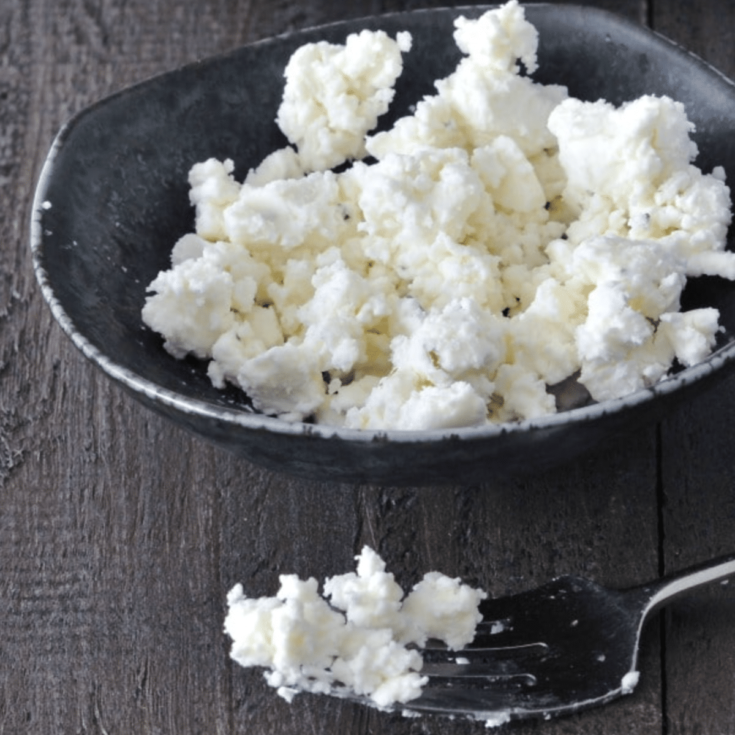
{"x": 566, "y": 646}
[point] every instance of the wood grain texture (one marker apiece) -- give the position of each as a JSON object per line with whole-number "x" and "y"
{"x": 698, "y": 487}
{"x": 120, "y": 535}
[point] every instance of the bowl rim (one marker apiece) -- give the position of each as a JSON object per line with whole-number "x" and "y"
{"x": 251, "y": 419}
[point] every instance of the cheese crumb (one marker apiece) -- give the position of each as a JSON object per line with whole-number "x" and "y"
{"x": 356, "y": 644}
{"x": 335, "y": 93}
{"x": 630, "y": 682}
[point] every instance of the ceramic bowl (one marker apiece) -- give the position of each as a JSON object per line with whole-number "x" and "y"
{"x": 113, "y": 198}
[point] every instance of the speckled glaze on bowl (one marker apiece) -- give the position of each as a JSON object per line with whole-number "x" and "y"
{"x": 113, "y": 198}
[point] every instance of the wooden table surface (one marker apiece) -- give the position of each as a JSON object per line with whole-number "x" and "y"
{"x": 120, "y": 535}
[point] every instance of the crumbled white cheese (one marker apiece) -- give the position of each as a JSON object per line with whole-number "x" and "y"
{"x": 334, "y": 95}
{"x": 358, "y": 643}
{"x": 630, "y": 682}
{"x": 503, "y": 239}
{"x": 485, "y": 97}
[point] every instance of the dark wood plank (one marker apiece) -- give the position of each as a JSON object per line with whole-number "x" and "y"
{"x": 633, "y": 9}
{"x": 699, "y": 517}
{"x": 698, "y": 473}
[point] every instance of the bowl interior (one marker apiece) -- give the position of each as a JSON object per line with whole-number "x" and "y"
{"x": 113, "y": 198}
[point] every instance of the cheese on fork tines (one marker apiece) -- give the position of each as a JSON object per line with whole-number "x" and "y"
{"x": 358, "y": 637}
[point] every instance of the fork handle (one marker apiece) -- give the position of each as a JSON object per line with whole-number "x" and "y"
{"x": 675, "y": 585}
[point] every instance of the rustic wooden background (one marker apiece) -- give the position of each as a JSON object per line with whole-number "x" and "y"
{"x": 120, "y": 535}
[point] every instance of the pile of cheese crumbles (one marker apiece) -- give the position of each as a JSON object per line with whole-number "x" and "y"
{"x": 501, "y": 239}
{"x": 353, "y": 640}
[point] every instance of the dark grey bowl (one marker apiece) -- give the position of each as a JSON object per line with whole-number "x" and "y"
{"x": 116, "y": 182}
